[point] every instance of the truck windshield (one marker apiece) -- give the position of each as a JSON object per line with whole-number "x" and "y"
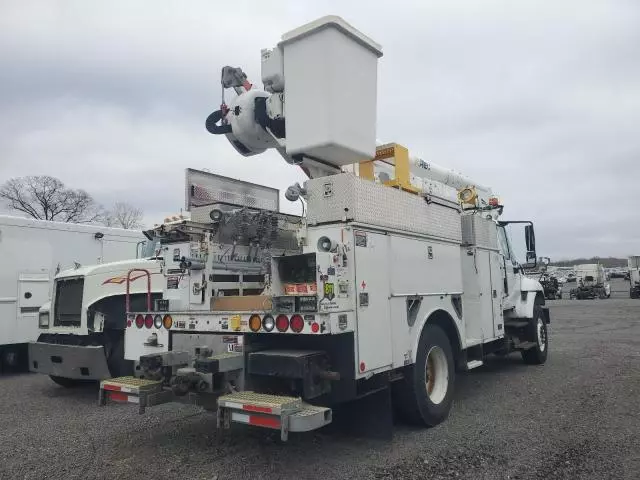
{"x": 149, "y": 248}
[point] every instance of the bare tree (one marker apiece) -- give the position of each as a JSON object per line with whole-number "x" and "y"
{"x": 47, "y": 198}
{"x": 124, "y": 215}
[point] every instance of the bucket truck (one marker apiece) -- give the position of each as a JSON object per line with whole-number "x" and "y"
{"x": 399, "y": 274}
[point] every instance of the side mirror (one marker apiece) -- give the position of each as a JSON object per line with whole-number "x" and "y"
{"x": 530, "y": 239}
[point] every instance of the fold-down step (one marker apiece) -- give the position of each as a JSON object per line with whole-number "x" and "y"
{"x": 141, "y": 391}
{"x": 287, "y": 414}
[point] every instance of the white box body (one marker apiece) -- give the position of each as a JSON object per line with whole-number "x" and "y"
{"x": 32, "y": 252}
{"x": 331, "y": 87}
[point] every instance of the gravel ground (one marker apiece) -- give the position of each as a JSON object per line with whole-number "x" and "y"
{"x": 575, "y": 417}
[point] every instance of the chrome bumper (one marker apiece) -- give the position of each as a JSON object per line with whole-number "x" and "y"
{"x": 68, "y": 361}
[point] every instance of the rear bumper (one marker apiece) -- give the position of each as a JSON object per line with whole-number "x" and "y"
{"x": 68, "y": 361}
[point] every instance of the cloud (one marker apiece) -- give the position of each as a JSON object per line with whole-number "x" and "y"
{"x": 538, "y": 99}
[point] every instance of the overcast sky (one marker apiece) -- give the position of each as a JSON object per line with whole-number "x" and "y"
{"x": 539, "y": 100}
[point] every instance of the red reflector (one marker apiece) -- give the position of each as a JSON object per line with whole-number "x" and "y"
{"x": 255, "y": 408}
{"x": 128, "y": 323}
{"x": 282, "y": 323}
{"x": 119, "y": 397}
{"x": 315, "y": 327}
{"x": 113, "y": 388}
{"x": 148, "y": 321}
{"x": 139, "y": 321}
{"x": 264, "y": 421}
{"x": 362, "y": 366}
{"x": 297, "y": 323}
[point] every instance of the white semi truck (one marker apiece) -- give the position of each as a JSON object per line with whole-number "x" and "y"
{"x": 399, "y": 274}
{"x": 591, "y": 282}
{"x": 81, "y": 331}
{"x": 634, "y": 276}
{"x": 32, "y": 253}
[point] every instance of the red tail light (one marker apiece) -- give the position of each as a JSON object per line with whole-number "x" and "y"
{"x": 148, "y": 321}
{"x": 315, "y": 327}
{"x": 297, "y": 323}
{"x": 282, "y": 323}
{"x": 139, "y": 321}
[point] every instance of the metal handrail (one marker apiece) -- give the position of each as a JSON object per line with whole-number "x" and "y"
{"x": 127, "y": 296}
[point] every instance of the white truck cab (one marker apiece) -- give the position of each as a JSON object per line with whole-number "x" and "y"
{"x": 81, "y": 330}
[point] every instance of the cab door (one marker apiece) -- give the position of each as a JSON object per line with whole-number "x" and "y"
{"x": 509, "y": 277}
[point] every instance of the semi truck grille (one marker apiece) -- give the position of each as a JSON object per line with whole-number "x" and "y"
{"x": 67, "y": 309}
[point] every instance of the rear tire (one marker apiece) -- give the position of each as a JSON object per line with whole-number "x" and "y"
{"x": 13, "y": 359}
{"x": 425, "y": 394}
{"x": 537, "y": 332}
{"x": 9, "y": 357}
{"x": 66, "y": 382}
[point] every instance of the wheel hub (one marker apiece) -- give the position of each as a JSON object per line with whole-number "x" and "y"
{"x": 542, "y": 335}
{"x": 437, "y": 375}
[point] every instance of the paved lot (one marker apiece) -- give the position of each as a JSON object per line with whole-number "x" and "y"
{"x": 575, "y": 417}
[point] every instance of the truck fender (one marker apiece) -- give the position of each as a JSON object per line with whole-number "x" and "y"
{"x": 525, "y": 304}
{"x": 530, "y": 291}
{"x": 444, "y": 320}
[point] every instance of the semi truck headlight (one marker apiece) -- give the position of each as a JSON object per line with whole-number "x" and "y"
{"x": 43, "y": 320}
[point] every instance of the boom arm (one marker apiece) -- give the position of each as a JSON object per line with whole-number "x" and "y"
{"x": 329, "y": 121}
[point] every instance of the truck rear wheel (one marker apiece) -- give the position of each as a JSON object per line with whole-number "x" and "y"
{"x": 425, "y": 394}
{"x": 537, "y": 332}
{"x": 13, "y": 358}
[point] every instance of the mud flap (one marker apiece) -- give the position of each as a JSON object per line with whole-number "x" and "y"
{"x": 370, "y": 416}
{"x": 545, "y": 315}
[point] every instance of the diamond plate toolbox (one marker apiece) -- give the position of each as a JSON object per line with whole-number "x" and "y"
{"x": 479, "y": 231}
{"x": 347, "y": 197}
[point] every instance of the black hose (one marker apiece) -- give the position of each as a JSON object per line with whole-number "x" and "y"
{"x": 211, "y": 124}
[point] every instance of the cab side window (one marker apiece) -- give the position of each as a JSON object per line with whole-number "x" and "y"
{"x": 503, "y": 243}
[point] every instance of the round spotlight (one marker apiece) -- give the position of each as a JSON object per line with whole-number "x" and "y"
{"x": 268, "y": 323}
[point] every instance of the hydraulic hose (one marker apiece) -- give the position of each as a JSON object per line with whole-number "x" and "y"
{"x": 211, "y": 124}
